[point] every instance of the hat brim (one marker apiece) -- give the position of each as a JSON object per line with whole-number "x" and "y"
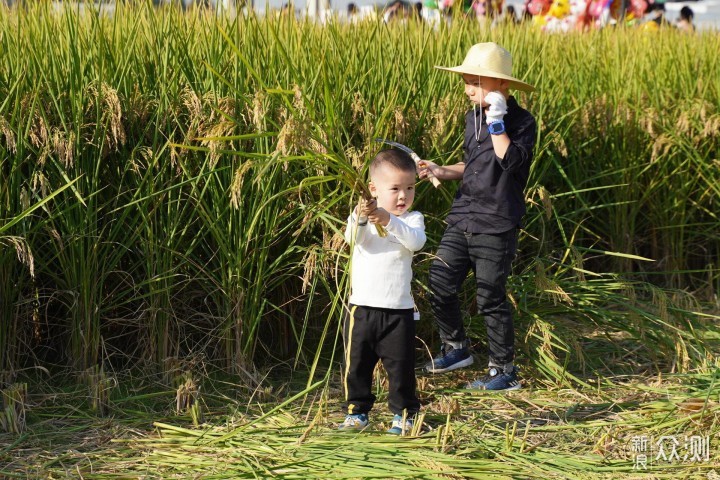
{"x": 471, "y": 70}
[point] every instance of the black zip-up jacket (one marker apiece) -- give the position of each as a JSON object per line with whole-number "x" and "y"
{"x": 491, "y": 197}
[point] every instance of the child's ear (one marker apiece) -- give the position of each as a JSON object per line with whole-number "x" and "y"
{"x": 373, "y": 190}
{"x": 505, "y": 87}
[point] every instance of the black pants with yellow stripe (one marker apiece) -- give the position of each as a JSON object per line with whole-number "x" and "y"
{"x": 384, "y": 334}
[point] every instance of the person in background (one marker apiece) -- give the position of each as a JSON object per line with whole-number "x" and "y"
{"x": 510, "y": 15}
{"x": 417, "y": 13}
{"x": 285, "y": 10}
{"x": 394, "y": 11}
{"x": 657, "y": 14}
{"x": 526, "y": 16}
{"x": 685, "y": 20}
{"x": 353, "y": 13}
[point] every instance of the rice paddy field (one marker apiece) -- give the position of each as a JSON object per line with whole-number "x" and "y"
{"x": 173, "y": 185}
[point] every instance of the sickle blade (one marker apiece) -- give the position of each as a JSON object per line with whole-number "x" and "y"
{"x": 409, "y": 151}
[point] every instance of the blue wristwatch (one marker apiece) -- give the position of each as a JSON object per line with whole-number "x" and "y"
{"x": 496, "y": 128}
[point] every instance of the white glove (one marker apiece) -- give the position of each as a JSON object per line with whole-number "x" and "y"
{"x": 497, "y": 109}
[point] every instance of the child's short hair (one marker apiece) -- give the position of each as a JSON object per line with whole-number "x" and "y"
{"x": 397, "y": 158}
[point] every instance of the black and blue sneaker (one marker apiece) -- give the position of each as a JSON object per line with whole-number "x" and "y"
{"x": 354, "y": 422}
{"x": 402, "y": 426}
{"x": 496, "y": 379}
{"x": 450, "y": 358}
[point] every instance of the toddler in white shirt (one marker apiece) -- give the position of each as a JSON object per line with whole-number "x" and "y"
{"x": 381, "y": 324}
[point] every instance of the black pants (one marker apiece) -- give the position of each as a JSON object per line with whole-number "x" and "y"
{"x": 371, "y": 334}
{"x": 490, "y": 258}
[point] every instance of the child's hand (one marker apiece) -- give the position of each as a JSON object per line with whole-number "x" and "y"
{"x": 379, "y": 215}
{"x": 427, "y": 169}
{"x": 365, "y": 208}
{"x": 497, "y": 107}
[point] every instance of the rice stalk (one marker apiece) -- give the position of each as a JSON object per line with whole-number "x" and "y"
{"x": 99, "y": 385}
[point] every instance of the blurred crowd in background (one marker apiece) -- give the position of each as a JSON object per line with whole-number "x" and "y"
{"x": 548, "y": 15}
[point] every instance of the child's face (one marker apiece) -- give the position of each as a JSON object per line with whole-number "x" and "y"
{"x": 477, "y": 88}
{"x": 393, "y": 188}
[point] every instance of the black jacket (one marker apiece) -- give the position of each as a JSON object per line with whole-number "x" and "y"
{"x": 491, "y": 197}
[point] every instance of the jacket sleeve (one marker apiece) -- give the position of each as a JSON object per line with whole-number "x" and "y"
{"x": 409, "y": 231}
{"x": 352, "y": 227}
{"x": 522, "y": 142}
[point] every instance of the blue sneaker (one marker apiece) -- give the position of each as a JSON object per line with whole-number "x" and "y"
{"x": 402, "y": 428}
{"x": 449, "y": 359}
{"x": 496, "y": 379}
{"x": 354, "y": 421}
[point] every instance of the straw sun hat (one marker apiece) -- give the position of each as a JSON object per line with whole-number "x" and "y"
{"x": 489, "y": 60}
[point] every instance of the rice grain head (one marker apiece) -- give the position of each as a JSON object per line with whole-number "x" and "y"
{"x": 660, "y": 300}
{"x": 513, "y": 302}
{"x": 577, "y": 263}
{"x": 298, "y": 102}
{"x": 711, "y": 130}
{"x": 7, "y": 132}
{"x": 318, "y": 146}
{"x": 63, "y": 147}
{"x": 225, "y": 107}
{"x": 193, "y": 105}
{"x": 293, "y": 137}
{"x": 661, "y": 147}
{"x": 357, "y": 107}
{"x": 186, "y": 394}
{"x": 549, "y": 286}
{"x": 259, "y": 110}
{"x": 681, "y": 353}
{"x": 356, "y": 158}
{"x": 683, "y": 125}
{"x": 559, "y": 143}
{"x": 39, "y": 131}
{"x": 24, "y": 198}
{"x": 401, "y": 126}
{"x": 113, "y": 112}
{"x": 39, "y": 184}
{"x": 544, "y": 329}
{"x": 648, "y": 121}
{"x": 624, "y": 113}
{"x": 237, "y": 184}
{"x": 23, "y": 252}
{"x": 546, "y": 201}
{"x": 309, "y": 262}
{"x": 148, "y": 156}
{"x": 222, "y": 128}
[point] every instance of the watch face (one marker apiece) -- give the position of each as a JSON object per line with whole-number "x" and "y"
{"x": 496, "y": 127}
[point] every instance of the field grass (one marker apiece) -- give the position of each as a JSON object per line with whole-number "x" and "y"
{"x": 539, "y": 432}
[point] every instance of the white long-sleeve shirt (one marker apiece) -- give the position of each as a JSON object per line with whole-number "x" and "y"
{"x": 382, "y": 267}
